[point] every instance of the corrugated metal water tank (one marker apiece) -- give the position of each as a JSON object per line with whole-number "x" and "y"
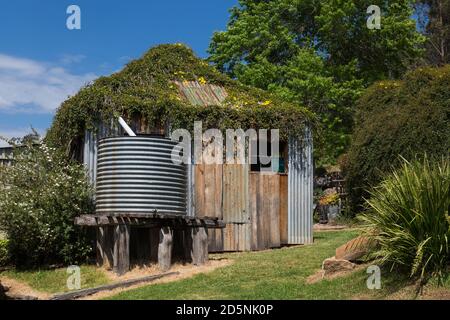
{"x": 137, "y": 175}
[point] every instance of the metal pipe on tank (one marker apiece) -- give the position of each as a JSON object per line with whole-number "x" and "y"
{"x": 126, "y": 127}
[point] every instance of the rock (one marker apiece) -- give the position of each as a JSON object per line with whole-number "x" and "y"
{"x": 333, "y": 265}
{"x": 354, "y": 249}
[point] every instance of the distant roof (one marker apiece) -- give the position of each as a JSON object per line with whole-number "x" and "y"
{"x": 4, "y": 144}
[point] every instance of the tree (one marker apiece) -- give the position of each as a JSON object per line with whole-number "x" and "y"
{"x": 317, "y": 53}
{"x": 435, "y": 16}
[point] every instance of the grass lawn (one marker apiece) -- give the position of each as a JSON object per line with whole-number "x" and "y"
{"x": 273, "y": 274}
{"x": 276, "y": 274}
{"x": 55, "y": 281}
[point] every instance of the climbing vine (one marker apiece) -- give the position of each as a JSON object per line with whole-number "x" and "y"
{"x": 146, "y": 87}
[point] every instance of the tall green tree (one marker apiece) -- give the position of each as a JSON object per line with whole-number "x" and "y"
{"x": 435, "y": 18}
{"x": 318, "y": 53}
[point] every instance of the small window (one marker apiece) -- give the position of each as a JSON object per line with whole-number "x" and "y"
{"x": 278, "y": 162}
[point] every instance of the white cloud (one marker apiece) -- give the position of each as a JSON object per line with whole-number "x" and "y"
{"x": 72, "y": 58}
{"x": 31, "y": 86}
{"x": 22, "y": 66}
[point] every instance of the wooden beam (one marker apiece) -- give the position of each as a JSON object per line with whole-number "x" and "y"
{"x": 123, "y": 284}
{"x": 86, "y": 220}
{"x": 146, "y": 221}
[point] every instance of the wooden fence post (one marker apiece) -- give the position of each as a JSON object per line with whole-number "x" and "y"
{"x": 165, "y": 248}
{"x": 121, "y": 249}
{"x": 105, "y": 247}
{"x": 199, "y": 245}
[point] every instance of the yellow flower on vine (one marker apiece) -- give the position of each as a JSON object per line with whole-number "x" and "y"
{"x": 202, "y": 80}
{"x": 266, "y": 103}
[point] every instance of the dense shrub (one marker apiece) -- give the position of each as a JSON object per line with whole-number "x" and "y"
{"x": 4, "y": 253}
{"x": 409, "y": 219}
{"x": 41, "y": 195}
{"x": 407, "y": 118}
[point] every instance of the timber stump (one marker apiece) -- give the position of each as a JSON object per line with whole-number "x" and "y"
{"x": 149, "y": 238}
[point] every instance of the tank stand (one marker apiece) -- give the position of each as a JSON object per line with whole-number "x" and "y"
{"x": 167, "y": 236}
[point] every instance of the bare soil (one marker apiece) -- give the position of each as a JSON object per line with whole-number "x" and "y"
{"x": 185, "y": 271}
{"x": 19, "y": 289}
{"x": 320, "y": 274}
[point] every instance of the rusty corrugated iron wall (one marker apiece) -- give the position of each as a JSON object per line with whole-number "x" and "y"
{"x": 265, "y": 210}
{"x": 201, "y": 94}
{"x": 235, "y": 207}
{"x": 235, "y": 193}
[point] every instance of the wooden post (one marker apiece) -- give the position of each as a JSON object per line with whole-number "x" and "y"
{"x": 105, "y": 247}
{"x": 165, "y": 248}
{"x": 199, "y": 245}
{"x": 121, "y": 249}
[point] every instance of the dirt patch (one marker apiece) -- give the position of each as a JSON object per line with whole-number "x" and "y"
{"x": 316, "y": 277}
{"x": 429, "y": 293}
{"x": 435, "y": 294}
{"x": 408, "y": 292}
{"x": 320, "y": 274}
{"x": 185, "y": 271}
{"x": 20, "y": 290}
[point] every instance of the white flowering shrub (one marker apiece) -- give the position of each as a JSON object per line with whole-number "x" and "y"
{"x": 41, "y": 194}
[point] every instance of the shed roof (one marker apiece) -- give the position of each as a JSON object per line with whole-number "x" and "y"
{"x": 170, "y": 83}
{"x": 202, "y": 94}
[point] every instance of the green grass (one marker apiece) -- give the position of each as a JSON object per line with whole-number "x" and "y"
{"x": 55, "y": 281}
{"x": 273, "y": 274}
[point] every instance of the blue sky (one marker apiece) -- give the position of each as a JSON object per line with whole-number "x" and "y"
{"x": 42, "y": 62}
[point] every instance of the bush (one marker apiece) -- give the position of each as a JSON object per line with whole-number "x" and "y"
{"x": 407, "y": 118}
{"x": 41, "y": 195}
{"x": 4, "y": 253}
{"x": 408, "y": 217}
